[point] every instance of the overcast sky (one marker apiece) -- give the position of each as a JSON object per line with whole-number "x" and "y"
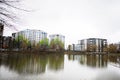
{"x": 76, "y": 19}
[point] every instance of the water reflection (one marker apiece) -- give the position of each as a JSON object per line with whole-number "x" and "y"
{"x": 59, "y": 67}
{"x": 96, "y": 61}
{"x": 108, "y": 75}
{"x": 114, "y": 60}
{"x": 56, "y": 62}
{"x": 32, "y": 63}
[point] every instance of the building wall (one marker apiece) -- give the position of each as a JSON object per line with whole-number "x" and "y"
{"x": 77, "y": 47}
{"x": 88, "y": 43}
{"x": 60, "y": 37}
{"x": 54, "y": 36}
{"x": 34, "y": 36}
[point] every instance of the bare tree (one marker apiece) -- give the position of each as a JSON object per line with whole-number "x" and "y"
{"x": 7, "y": 17}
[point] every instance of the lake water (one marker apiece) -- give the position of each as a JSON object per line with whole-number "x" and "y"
{"x": 59, "y": 67}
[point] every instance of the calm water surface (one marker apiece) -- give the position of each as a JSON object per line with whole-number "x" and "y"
{"x": 59, "y": 67}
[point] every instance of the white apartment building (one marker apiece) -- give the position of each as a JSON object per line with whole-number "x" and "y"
{"x": 60, "y": 37}
{"x": 34, "y": 36}
{"x": 98, "y": 42}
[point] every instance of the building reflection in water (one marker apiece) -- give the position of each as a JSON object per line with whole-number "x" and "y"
{"x": 32, "y": 63}
{"x": 37, "y": 64}
{"x": 96, "y": 61}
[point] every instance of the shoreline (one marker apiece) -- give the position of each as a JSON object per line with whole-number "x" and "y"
{"x": 58, "y": 52}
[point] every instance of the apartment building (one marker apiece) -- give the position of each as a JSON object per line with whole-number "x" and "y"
{"x": 60, "y": 37}
{"x": 34, "y": 36}
{"x": 93, "y": 44}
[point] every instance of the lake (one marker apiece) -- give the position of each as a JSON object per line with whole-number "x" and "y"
{"x": 59, "y": 67}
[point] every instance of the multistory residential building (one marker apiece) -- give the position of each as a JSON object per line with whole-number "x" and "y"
{"x": 76, "y": 47}
{"x": 60, "y": 37}
{"x": 34, "y": 36}
{"x": 93, "y": 44}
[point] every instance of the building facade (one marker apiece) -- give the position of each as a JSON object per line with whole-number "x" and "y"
{"x": 76, "y": 47}
{"x": 60, "y": 37}
{"x": 34, "y": 36}
{"x": 93, "y": 44}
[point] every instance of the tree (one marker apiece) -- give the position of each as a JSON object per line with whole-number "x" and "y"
{"x": 44, "y": 43}
{"x": 112, "y": 48}
{"x": 91, "y": 48}
{"x": 25, "y": 43}
{"x": 105, "y": 49}
{"x": 94, "y": 47}
{"x": 5, "y": 12}
{"x": 7, "y": 16}
{"x": 57, "y": 44}
{"x": 69, "y": 47}
{"x": 22, "y": 42}
{"x": 52, "y": 44}
{"x": 88, "y": 48}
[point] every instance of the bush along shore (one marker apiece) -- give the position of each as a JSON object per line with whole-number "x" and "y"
{"x": 54, "y": 51}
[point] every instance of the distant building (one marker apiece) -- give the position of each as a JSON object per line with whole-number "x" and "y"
{"x": 76, "y": 47}
{"x": 34, "y": 36}
{"x": 7, "y": 42}
{"x": 93, "y": 44}
{"x": 60, "y": 37}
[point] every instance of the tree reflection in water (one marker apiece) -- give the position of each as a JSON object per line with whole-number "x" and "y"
{"x": 115, "y": 60}
{"x": 32, "y": 63}
{"x": 56, "y": 62}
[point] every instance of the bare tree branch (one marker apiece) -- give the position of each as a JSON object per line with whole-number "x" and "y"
{"x": 6, "y": 23}
{"x": 9, "y": 1}
{"x": 6, "y": 15}
{"x": 10, "y": 4}
{"x": 4, "y": 9}
{"x": 12, "y": 1}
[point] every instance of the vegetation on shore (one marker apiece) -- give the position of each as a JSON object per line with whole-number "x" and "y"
{"x": 22, "y": 44}
{"x": 111, "y": 48}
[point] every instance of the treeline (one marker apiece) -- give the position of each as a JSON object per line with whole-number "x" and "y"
{"x": 110, "y": 48}
{"x": 22, "y": 44}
